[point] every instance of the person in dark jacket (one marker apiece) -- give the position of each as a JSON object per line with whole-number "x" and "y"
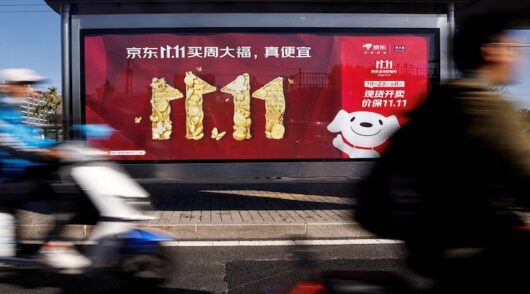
{"x": 469, "y": 159}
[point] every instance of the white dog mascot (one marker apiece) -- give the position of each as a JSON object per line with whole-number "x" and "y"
{"x": 361, "y": 131}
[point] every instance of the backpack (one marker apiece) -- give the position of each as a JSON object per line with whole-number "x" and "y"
{"x": 389, "y": 202}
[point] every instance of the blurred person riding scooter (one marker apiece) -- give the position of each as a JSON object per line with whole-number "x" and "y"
{"x": 26, "y": 163}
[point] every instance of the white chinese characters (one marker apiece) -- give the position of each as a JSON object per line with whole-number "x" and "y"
{"x": 243, "y": 52}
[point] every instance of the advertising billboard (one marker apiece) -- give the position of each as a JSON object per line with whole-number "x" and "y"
{"x": 179, "y": 95}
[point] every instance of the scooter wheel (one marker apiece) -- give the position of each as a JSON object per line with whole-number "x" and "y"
{"x": 147, "y": 270}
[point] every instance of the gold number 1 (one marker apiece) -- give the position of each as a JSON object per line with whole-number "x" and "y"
{"x": 240, "y": 90}
{"x": 195, "y": 89}
{"x": 274, "y": 98}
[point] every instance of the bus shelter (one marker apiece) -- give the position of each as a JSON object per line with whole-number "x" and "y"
{"x": 250, "y": 89}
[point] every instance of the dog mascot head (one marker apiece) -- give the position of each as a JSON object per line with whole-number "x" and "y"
{"x": 364, "y": 129}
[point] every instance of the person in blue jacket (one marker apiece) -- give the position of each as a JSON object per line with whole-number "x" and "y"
{"x": 21, "y": 148}
{"x": 28, "y": 161}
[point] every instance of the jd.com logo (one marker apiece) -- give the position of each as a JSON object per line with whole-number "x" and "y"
{"x": 370, "y": 48}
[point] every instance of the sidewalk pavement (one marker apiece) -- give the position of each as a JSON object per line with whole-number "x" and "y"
{"x": 227, "y": 211}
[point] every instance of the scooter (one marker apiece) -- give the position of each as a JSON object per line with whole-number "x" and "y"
{"x": 501, "y": 280}
{"x": 344, "y": 281}
{"x": 115, "y": 243}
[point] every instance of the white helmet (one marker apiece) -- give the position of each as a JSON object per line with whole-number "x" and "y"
{"x": 19, "y": 75}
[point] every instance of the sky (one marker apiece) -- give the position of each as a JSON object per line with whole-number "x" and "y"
{"x": 520, "y": 91}
{"x": 30, "y": 37}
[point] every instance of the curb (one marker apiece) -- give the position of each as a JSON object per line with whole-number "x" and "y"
{"x": 197, "y": 232}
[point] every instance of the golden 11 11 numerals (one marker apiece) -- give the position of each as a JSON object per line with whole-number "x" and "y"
{"x": 162, "y": 94}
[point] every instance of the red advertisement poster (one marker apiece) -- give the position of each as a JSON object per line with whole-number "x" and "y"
{"x": 383, "y": 77}
{"x": 245, "y": 96}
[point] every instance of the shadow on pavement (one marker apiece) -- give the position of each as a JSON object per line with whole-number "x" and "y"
{"x": 273, "y": 196}
{"x": 342, "y": 190}
{"x": 244, "y": 197}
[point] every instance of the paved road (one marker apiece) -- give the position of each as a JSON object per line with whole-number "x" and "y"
{"x": 218, "y": 269}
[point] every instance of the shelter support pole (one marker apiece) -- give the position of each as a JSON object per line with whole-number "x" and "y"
{"x": 66, "y": 70}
